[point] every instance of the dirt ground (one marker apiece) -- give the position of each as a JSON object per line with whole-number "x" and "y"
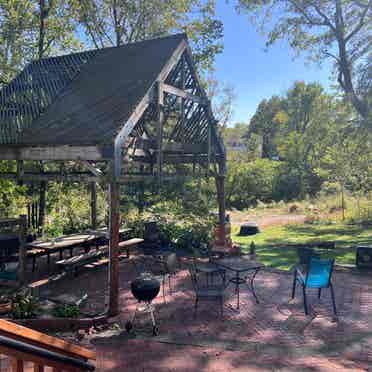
{"x": 265, "y": 219}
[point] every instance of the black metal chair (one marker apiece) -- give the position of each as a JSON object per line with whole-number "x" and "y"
{"x": 163, "y": 268}
{"x": 202, "y": 260}
{"x": 207, "y": 292}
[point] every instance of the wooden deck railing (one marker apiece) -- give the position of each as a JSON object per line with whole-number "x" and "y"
{"x": 23, "y": 345}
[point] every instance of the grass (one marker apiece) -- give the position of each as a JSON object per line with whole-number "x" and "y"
{"x": 272, "y": 243}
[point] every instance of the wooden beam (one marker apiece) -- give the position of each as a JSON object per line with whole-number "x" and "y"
{"x": 220, "y": 186}
{"x": 65, "y": 152}
{"x": 97, "y": 172}
{"x": 19, "y": 332}
{"x": 183, "y": 148}
{"x": 127, "y": 128}
{"x": 113, "y": 308}
{"x": 160, "y": 111}
{"x": 151, "y": 178}
{"x": 38, "y": 177}
{"x": 183, "y": 94}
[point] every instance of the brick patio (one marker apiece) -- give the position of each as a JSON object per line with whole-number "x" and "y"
{"x": 272, "y": 335}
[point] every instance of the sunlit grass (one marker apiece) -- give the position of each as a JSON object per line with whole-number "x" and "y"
{"x": 272, "y": 243}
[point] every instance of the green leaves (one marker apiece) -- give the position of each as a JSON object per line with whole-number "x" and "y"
{"x": 324, "y": 29}
{"x": 117, "y": 22}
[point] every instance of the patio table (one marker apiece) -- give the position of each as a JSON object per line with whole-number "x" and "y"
{"x": 62, "y": 243}
{"x": 104, "y": 232}
{"x": 244, "y": 269}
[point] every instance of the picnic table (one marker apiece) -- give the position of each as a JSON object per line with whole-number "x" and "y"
{"x": 97, "y": 258}
{"x": 244, "y": 268}
{"x": 39, "y": 248}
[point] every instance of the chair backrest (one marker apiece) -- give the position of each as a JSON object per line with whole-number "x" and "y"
{"x": 140, "y": 265}
{"x": 305, "y": 254}
{"x": 319, "y": 272}
{"x": 193, "y": 275}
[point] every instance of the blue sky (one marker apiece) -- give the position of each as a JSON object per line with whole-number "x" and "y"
{"x": 254, "y": 73}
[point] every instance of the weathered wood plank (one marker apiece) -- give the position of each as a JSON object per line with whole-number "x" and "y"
{"x": 16, "y": 331}
{"x": 37, "y": 177}
{"x": 114, "y": 191}
{"x": 184, "y": 148}
{"x": 183, "y": 94}
{"x": 55, "y": 152}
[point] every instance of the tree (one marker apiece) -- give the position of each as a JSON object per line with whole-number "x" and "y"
{"x": 15, "y": 41}
{"x": 32, "y": 29}
{"x": 117, "y": 22}
{"x": 265, "y": 122}
{"x": 222, "y": 97}
{"x": 336, "y": 29}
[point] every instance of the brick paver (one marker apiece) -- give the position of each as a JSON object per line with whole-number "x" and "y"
{"x": 272, "y": 335}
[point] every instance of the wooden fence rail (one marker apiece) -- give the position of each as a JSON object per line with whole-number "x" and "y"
{"x": 23, "y": 345}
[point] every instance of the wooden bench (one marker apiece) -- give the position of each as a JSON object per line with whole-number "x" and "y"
{"x": 35, "y": 286}
{"x": 130, "y": 243}
{"x": 73, "y": 264}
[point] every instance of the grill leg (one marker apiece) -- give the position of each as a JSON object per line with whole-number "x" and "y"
{"x": 319, "y": 292}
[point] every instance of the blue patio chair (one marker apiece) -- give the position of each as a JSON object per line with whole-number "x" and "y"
{"x": 319, "y": 276}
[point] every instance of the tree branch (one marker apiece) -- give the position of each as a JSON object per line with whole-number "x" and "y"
{"x": 331, "y": 55}
{"x": 311, "y": 21}
{"x": 325, "y": 18}
{"x": 361, "y": 22}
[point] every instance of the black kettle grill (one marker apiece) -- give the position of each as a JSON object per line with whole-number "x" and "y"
{"x": 145, "y": 288}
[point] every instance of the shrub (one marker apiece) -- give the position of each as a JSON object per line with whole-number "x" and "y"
{"x": 66, "y": 311}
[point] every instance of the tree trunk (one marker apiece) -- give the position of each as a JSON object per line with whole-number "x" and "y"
{"x": 42, "y": 204}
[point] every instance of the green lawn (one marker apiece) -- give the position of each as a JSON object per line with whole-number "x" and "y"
{"x": 272, "y": 242}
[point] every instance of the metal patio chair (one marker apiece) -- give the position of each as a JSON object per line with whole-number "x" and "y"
{"x": 203, "y": 264}
{"x": 319, "y": 275}
{"x": 164, "y": 268}
{"x": 206, "y": 291}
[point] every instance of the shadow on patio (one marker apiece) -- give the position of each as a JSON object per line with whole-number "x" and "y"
{"x": 270, "y": 335}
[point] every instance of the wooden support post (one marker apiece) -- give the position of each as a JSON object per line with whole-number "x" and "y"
{"x": 93, "y": 205}
{"x": 160, "y": 98}
{"x": 17, "y": 365}
{"x": 220, "y": 186}
{"x": 22, "y": 254}
{"x": 113, "y": 309}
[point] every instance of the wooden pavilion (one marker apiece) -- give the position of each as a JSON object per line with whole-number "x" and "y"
{"x": 132, "y": 113}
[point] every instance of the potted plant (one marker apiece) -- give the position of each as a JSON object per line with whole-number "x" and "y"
{"x": 5, "y": 304}
{"x": 24, "y": 306}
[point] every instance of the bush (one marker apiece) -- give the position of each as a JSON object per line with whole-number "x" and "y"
{"x": 250, "y": 182}
{"x": 66, "y": 311}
